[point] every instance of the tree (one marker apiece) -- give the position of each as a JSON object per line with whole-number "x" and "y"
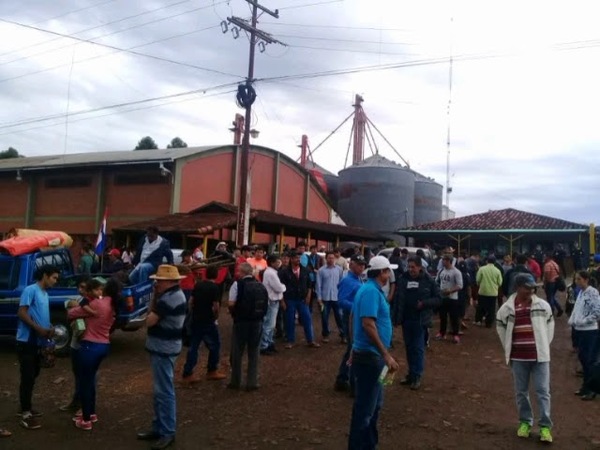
{"x": 10, "y": 153}
{"x": 177, "y": 142}
{"x": 146, "y": 143}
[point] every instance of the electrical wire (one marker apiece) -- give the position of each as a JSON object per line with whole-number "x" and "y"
{"x": 116, "y": 50}
{"x": 353, "y": 41}
{"x": 90, "y": 40}
{"x": 326, "y": 2}
{"x": 347, "y": 50}
{"x": 95, "y": 5}
{"x": 340, "y": 27}
{"x": 118, "y": 105}
{"x": 98, "y": 26}
{"x": 119, "y": 112}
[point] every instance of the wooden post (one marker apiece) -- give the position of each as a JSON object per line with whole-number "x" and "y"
{"x": 308, "y": 241}
{"x": 205, "y": 246}
{"x": 281, "y": 239}
{"x": 592, "y": 244}
{"x": 252, "y": 233}
{"x": 337, "y": 242}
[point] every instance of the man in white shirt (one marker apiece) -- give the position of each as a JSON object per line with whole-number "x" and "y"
{"x": 275, "y": 288}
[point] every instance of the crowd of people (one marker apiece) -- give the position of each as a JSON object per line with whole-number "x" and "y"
{"x": 268, "y": 295}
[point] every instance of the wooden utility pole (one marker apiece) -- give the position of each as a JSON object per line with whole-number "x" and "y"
{"x": 245, "y": 97}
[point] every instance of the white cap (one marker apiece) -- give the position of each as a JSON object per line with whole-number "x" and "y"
{"x": 380, "y": 263}
{"x": 222, "y": 244}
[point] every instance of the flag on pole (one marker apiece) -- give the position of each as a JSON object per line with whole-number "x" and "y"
{"x": 101, "y": 240}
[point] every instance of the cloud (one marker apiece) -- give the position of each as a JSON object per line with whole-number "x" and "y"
{"x": 522, "y": 122}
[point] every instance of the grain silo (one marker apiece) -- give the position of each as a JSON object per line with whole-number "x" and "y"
{"x": 377, "y": 194}
{"x": 428, "y": 200}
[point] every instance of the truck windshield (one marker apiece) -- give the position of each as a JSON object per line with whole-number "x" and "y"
{"x": 9, "y": 273}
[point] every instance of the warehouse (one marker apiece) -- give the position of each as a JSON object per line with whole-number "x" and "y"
{"x": 71, "y": 192}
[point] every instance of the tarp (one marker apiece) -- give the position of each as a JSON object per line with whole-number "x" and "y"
{"x": 26, "y": 241}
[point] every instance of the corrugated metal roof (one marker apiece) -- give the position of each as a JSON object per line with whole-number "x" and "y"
{"x": 104, "y": 158}
{"x": 377, "y": 161}
{"x": 503, "y": 219}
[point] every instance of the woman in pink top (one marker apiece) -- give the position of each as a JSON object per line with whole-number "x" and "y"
{"x": 94, "y": 343}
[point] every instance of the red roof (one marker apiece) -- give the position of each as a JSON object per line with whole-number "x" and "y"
{"x": 503, "y": 219}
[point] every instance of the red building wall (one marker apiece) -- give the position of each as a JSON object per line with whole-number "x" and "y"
{"x": 291, "y": 191}
{"x": 206, "y": 179}
{"x": 13, "y": 202}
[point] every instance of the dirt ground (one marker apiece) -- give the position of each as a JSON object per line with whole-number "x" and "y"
{"x": 466, "y": 401}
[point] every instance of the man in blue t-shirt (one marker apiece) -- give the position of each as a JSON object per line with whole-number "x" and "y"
{"x": 33, "y": 329}
{"x": 372, "y": 337}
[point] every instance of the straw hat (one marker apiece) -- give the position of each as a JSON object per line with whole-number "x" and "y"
{"x": 167, "y": 272}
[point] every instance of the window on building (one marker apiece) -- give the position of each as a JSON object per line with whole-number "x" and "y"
{"x": 140, "y": 178}
{"x": 68, "y": 182}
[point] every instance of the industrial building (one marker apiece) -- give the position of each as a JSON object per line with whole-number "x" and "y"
{"x": 71, "y": 192}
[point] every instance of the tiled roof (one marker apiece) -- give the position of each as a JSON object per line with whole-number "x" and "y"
{"x": 216, "y": 215}
{"x": 503, "y": 219}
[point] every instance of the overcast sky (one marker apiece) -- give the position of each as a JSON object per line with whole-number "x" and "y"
{"x": 525, "y": 95}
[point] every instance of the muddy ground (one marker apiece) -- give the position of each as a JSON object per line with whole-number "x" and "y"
{"x": 466, "y": 401}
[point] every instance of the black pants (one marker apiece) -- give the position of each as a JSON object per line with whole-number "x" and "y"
{"x": 29, "y": 362}
{"x": 486, "y": 307}
{"x": 450, "y": 308}
{"x": 245, "y": 335}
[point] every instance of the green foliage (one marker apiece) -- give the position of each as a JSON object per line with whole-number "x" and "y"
{"x": 177, "y": 142}
{"x": 10, "y": 153}
{"x": 146, "y": 143}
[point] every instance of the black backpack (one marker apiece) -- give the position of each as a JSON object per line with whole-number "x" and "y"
{"x": 252, "y": 301}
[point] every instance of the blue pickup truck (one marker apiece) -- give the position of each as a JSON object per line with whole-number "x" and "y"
{"x": 17, "y": 272}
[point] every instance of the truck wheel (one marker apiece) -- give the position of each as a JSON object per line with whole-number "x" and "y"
{"x": 63, "y": 334}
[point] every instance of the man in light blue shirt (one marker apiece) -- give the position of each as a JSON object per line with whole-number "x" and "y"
{"x": 33, "y": 330}
{"x": 328, "y": 278}
{"x": 372, "y": 336}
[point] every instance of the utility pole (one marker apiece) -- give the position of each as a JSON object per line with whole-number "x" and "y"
{"x": 246, "y": 96}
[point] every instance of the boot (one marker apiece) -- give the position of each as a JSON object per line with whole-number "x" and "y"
{"x": 416, "y": 384}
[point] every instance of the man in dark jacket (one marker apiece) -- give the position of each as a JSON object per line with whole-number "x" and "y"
{"x": 297, "y": 298}
{"x": 417, "y": 296}
{"x": 149, "y": 255}
{"x": 508, "y": 285}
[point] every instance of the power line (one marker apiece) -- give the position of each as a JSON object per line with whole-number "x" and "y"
{"x": 354, "y": 41}
{"x": 117, "y": 50}
{"x": 118, "y": 112}
{"x": 326, "y": 2}
{"x": 68, "y": 13}
{"x": 340, "y": 27}
{"x": 118, "y": 105}
{"x": 348, "y": 50}
{"x": 63, "y": 35}
{"x": 97, "y": 26}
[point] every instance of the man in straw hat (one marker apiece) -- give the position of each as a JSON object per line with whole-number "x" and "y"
{"x": 165, "y": 326}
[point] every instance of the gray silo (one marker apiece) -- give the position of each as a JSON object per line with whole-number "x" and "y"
{"x": 333, "y": 182}
{"x": 428, "y": 200}
{"x": 377, "y": 194}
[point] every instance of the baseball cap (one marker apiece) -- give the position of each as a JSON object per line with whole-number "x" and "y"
{"x": 525, "y": 280}
{"x": 381, "y": 263}
{"x": 359, "y": 259}
{"x": 115, "y": 252}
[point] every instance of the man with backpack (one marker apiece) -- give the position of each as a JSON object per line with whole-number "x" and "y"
{"x": 248, "y": 303}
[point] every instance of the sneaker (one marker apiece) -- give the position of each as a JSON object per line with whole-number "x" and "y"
{"x": 456, "y": 339}
{"x": 83, "y": 425}
{"x": 30, "y": 423}
{"x": 34, "y": 413}
{"x": 215, "y": 375}
{"x": 406, "y": 381}
{"x": 93, "y": 418}
{"x": 524, "y": 430}
{"x": 439, "y": 337}
{"x": 545, "y": 435}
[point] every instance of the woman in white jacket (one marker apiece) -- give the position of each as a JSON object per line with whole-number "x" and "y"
{"x": 584, "y": 321}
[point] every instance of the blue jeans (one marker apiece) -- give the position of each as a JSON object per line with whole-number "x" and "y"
{"x": 414, "y": 341}
{"x": 269, "y": 323}
{"x": 345, "y": 371}
{"x": 141, "y": 273}
{"x": 328, "y": 306}
{"x": 523, "y": 371}
{"x": 89, "y": 355}
{"x": 209, "y": 334}
{"x": 366, "y": 367}
{"x": 75, "y": 368}
{"x": 165, "y": 411}
{"x": 550, "y": 290}
{"x": 290, "y": 322}
{"x": 587, "y": 349}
